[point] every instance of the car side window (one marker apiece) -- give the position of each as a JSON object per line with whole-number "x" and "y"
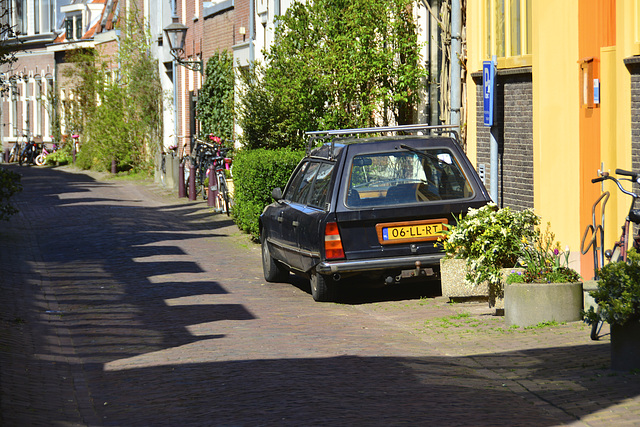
{"x": 321, "y": 186}
{"x": 306, "y": 184}
{"x": 294, "y": 184}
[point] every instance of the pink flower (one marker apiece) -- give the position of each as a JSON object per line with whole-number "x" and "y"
{"x": 556, "y": 251}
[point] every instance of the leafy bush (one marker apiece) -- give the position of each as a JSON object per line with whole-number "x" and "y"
{"x": 9, "y": 185}
{"x": 255, "y": 174}
{"x": 490, "y": 239}
{"x": 618, "y": 293}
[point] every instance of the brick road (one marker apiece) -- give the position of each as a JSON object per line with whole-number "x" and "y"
{"x": 121, "y": 305}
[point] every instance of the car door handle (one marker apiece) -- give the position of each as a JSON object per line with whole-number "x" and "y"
{"x": 295, "y": 223}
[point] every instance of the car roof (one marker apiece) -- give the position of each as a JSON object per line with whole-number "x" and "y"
{"x": 334, "y": 141}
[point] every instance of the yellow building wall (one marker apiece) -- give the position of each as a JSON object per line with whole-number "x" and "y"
{"x": 556, "y": 107}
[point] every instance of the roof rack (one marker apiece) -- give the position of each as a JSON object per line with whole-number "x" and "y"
{"x": 332, "y": 134}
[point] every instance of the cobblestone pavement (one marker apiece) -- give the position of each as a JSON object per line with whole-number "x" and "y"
{"x": 121, "y": 305}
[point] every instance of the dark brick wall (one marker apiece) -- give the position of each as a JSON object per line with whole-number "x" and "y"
{"x": 635, "y": 117}
{"x": 514, "y": 122}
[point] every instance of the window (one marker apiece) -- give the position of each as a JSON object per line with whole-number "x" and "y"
{"x": 79, "y": 32}
{"x": 389, "y": 179}
{"x": 302, "y": 194}
{"x": 294, "y": 184}
{"x": 20, "y": 16}
{"x": 508, "y": 32}
{"x": 69, "y": 28}
{"x": 321, "y": 186}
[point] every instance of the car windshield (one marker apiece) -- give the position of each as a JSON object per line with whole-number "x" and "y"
{"x": 401, "y": 177}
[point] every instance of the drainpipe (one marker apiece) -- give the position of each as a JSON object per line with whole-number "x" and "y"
{"x": 252, "y": 34}
{"x": 456, "y": 47}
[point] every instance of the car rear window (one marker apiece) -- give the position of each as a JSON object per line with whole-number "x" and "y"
{"x": 406, "y": 177}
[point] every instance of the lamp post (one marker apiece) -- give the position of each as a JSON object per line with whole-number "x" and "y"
{"x": 176, "y": 34}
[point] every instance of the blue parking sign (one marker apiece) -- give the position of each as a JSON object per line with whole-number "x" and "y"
{"x": 488, "y": 88}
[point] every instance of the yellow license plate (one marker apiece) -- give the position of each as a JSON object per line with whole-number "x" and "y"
{"x": 411, "y": 231}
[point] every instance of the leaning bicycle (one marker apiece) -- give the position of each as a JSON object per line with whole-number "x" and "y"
{"x": 620, "y": 248}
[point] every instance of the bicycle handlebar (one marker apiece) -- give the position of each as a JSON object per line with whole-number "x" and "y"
{"x": 605, "y": 175}
{"x": 633, "y": 175}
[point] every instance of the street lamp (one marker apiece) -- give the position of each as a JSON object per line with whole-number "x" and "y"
{"x": 176, "y": 34}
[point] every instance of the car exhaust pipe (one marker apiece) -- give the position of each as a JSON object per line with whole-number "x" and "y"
{"x": 337, "y": 277}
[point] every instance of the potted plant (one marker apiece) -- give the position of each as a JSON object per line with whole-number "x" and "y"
{"x": 487, "y": 240}
{"x": 546, "y": 289}
{"x": 618, "y": 296}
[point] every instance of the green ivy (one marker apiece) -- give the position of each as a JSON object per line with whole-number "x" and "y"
{"x": 215, "y": 99}
{"x": 255, "y": 174}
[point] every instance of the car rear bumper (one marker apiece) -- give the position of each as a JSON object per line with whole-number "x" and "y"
{"x": 402, "y": 263}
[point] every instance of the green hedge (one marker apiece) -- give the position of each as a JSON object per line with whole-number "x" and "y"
{"x": 255, "y": 174}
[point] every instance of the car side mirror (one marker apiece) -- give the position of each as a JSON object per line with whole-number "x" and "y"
{"x": 276, "y": 193}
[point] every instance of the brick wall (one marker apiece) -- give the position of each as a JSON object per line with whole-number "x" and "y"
{"x": 220, "y": 33}
{"x": 635, "y": 116}
{"x": 633, "y": 65}
{"x": 514, "y": 122}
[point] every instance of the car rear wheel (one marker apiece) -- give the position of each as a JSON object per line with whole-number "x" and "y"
{"x": 273, "y": 271}
{"x": 323, "y": 288}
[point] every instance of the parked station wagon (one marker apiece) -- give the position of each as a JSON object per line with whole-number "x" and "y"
{"x": 372, "y": 207}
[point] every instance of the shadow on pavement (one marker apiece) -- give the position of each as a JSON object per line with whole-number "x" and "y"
{"x": 135, "y": 315}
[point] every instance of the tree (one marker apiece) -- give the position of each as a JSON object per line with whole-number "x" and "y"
{"x": 215, "y": 99}
{"x": 9, "y": 46}
{"x": 333, "y": 64}
{"x": 118, "y": 111}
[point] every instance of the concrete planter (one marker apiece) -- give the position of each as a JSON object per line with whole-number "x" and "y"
{"x": 625, "y": 346}
{"x": 527, "y": 304}
{"x": 452, "y": 274}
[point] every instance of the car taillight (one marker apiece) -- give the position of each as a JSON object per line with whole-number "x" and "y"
{"x": 332, "y": 242}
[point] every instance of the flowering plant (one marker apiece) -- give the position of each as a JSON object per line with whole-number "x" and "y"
{"x": 490, "y": 239}
{"x": 544, "y": 261}
{"x": 215, "y": 139}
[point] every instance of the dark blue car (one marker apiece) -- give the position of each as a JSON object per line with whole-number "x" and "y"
{"x": 372, "y": 207}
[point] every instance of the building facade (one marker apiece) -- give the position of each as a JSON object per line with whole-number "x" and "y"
{"x": 566, "y": 107}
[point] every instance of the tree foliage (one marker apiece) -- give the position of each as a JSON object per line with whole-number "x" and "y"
{"x": 215, "y": 99}
{"x": 333, "y": 64}
{"x": 117, "y": 110}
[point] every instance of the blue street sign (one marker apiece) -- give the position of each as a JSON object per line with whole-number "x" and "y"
{"x": 488, "y": 85}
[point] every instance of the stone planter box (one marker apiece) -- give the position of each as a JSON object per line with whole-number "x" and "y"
{"x": 527, "y": 304}
{"x": 452, "y": 274}
{"x": 625, "y": 346}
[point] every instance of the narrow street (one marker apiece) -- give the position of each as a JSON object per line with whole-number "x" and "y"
{"x": 122, "y": 305}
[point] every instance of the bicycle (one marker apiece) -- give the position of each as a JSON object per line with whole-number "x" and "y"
{"x": 220, "y": 162}
{"x": 619, "y": 251}
{"x": 41, "y": 158}
{"x": 29, "y": 153}
{"x": 14, "y": 154}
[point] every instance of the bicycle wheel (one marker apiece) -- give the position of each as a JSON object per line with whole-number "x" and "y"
{"x": 224, "y": 193}
{"x": 595, "y": 327}
{"x": 40, "y": 159}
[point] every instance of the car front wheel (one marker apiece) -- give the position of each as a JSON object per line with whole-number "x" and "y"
{"x": 273, "y": 271}
{"x": 323, "y": 288}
